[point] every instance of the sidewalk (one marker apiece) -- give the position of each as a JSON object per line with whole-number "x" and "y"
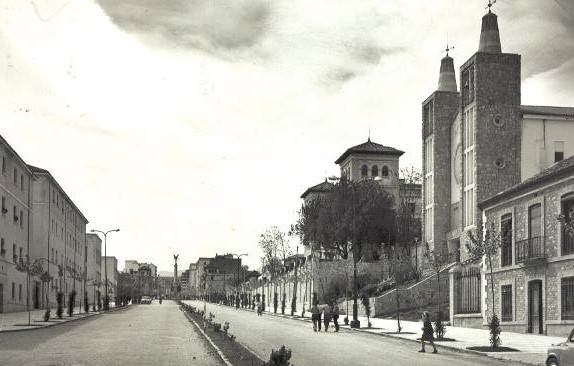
{"x": 532, "y": 347}
{"x": 18, "y": 321}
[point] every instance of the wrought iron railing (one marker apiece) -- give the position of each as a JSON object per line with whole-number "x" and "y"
{"x": 468, "y": 291}
{"x": 531, "y": 248}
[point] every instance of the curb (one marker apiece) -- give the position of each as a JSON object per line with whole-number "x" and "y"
{"x": 438, "y": 345}
{"x": 55, "y": 324}
{"x": 219, "y": 353}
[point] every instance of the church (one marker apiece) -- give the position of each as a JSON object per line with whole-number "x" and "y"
{"x": 479, "y": 142}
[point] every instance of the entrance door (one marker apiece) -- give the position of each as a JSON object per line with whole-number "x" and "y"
{"x": 1, "y": 298}
{"x": 535, "y": 312}
{"x": 36, "y": 295}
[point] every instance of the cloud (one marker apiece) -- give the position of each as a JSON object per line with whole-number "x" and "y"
{"x": 210, "y": 25}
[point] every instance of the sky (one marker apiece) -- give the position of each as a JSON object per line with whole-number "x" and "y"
{"x": 195, "y": 125}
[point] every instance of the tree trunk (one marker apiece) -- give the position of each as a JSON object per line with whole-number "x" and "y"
{"x": 491, "y": 282}
{"x": 355, "y": 310}
{"x": 439, "y": 315}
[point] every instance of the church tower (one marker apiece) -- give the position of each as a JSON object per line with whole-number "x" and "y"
{"x": 438, "y": 112}
{"x": 490, "y": 122}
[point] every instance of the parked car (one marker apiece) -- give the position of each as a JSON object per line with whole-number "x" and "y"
{"x": 561, "y": 354}
{"x": 145, "y": 300}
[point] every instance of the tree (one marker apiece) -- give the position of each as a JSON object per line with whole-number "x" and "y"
{"x": 352, "y": 218}
{"x": 437, "y": 260}
{"x": 272, "y": 241}
{"x": 367, "y": 305}
{"x": 411, "y": 175}
{"x": 485, "y": 244}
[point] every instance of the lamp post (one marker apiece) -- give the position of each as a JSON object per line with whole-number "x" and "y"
{"x": 105, "y": 234}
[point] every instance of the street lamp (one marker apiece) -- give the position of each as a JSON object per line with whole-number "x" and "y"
{"x": 105, "y": 234}
{"x": 238, "y": 269}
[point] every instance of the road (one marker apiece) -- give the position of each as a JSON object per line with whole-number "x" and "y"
{"x": 261, "y": 334}
{"x": 141, "y": 335}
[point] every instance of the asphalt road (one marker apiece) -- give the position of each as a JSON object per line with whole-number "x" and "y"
{"x": 348, "y": 348}
{"x": 141, "y": 335}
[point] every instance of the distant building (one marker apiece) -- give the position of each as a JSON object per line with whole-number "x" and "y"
{"x": 94, "y": 268}
{"x": 110, "y": 267}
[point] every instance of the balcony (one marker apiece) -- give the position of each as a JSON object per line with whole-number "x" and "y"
{"x": 531, "y": 251}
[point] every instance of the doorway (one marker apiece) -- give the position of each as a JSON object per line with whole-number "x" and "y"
{"x": 1, "y": 298}
{"x": 36, "y": 295}
{"x": 535, "y": 312}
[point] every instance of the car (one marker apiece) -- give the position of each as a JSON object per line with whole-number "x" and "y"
{"x": 561, "y": 354}
{"x": 145, "y": 300}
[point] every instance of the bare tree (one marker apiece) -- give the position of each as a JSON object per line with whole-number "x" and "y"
{"x": 411, "y": 175}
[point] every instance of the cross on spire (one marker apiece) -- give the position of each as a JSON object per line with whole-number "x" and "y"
{"x": 490, "y": 4}
{"x": 448, "y": 48}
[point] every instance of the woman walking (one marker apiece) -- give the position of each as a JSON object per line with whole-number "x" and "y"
{"x": 327, "y": 316}
{"x": 316, "y": 317}
{"x": 336, "y": 316}
{"x": 427, "y": 332}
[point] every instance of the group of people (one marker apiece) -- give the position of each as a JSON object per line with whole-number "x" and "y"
{"x": 330, "y": 312}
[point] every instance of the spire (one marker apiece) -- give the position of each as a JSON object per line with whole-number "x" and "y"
{"x": 489, "y": 36}
{"x": 446, "y": 79}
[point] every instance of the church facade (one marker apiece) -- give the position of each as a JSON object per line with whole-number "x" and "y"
{"x": 478, "y": 141}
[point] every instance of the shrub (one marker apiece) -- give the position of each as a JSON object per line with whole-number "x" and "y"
{"x": 439, "y": 328}
{"x": 216, "y": 327}
{"x": 71, "y": 302}
{"x": 279, "y": 357}
{"x": 495, "y": 330}
{"x": 60, "y": 306}
{"x": 47, "y": 315}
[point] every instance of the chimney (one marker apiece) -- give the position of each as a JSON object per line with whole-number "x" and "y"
{"x": 446, "y": 79}
{"x": 489, "y": 36}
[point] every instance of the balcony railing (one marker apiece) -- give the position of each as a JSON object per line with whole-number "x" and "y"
{"x": 530, "y": 249}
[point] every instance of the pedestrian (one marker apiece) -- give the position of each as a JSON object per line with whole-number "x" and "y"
{"x": 316, "y": 317}
{"x": 427, "y": 332}
{"x": 327, "y": 316}
{"x": 335, "y": 314}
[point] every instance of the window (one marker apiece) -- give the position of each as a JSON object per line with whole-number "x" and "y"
{"x": 21, "y": 253}
{"x": 15, "y": 214}
{"x": 21, "y": 219}
{"x": 13, "y": 291}
{"x": 506, "y": 298}
{"x": 534, "y": 221}
{"x": 2, "y": 248}
{"x": 364, "y": 171}
{"x": 558, "y": 151}
{"x": 506, "y": 236}
{"x": 3, "y": 165}
{"x": 21, "y": 182}
{"x": 14, "y": 255}
{"x": 429, "y": 188}
{"x": 20, "y": 292}
{"x": 567, "y": 298}
{"x": 568, "y": 214}
{"x": 15, "y": 177}
{"x": 375, "y": 171}
{"x": 469, "y": 199}
{"x": 4, "y": 210}
{"x": 385, "y": 171}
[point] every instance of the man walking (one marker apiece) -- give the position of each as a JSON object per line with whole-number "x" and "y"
{"x": 336, "y": 316}
{"x": 327, "y": 316}
{"x": 316, "y": 317}
{"x": 427, "y": 332}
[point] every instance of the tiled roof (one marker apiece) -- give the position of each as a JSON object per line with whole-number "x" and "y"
{"x": 558, "y": 170}
{"x": 548, "y": 110}
{"x": 369, "y": 147}
{"x": 319, "y": 188}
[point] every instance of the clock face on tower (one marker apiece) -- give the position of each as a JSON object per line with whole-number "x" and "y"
{"x": 457, "y": 164}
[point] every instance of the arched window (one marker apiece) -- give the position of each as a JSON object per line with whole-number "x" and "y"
{"x": 375, "y": 171}
{"x": 385, "y": 171}
{"x": 364, "y": 171}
